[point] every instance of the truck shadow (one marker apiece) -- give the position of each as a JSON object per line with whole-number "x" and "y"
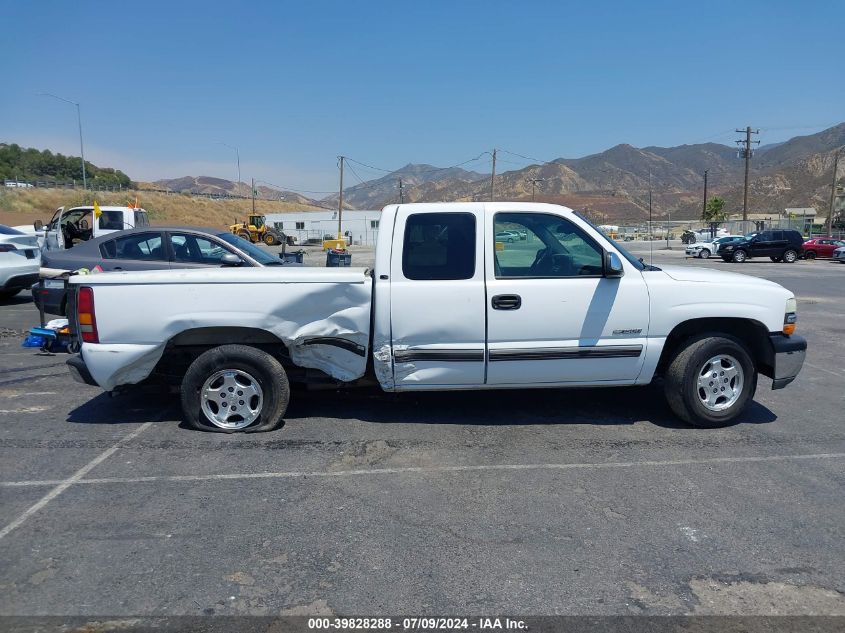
{"x": 606, "y": 406}
{"x": 598, "y": 407}
{"x": 132, "y": 407}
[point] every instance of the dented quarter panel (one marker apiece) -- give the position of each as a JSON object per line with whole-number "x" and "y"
{"x": 299, "y": 306}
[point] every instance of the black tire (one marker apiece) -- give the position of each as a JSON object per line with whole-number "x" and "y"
{"x": 245, "y": 235}
{"x": 270, "y": 239}
{"x": 740, "y": 256}
{"x": 789, "y": 256}
{"x": 810, "y": 255}
{"x": 681, "y": 380}
{"x": 702, "y": 255}
{"x": 264, "y": 368}
{"x": 776, "y": 259}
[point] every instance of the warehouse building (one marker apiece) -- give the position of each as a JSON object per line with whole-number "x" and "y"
{"x": 360, "y": 227}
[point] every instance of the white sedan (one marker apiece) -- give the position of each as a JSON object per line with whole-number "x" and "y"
{"x": 704, "y": 250}
{"x": 20, "y": 261}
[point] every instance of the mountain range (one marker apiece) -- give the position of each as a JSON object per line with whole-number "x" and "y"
{"x": 614, "y": 185}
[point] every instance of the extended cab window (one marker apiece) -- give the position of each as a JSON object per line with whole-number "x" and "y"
{"x": 543, "y": 245}
{"x": 143, "y": 246}
{"x": 439, "y": 246}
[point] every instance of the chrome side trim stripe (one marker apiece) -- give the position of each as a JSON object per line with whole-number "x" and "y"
{"x": 453, "y": 355}
{"x": 563, "y": 353}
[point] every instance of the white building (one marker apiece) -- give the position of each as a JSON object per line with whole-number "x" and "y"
{"x": 360, "y": 226}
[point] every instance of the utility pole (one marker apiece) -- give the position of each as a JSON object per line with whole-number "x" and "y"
{"x": 534, "y": 182}
{"x": 401, "y": 193}
{"x": 747, "y": 155}
{"x": 704, "y": 207}
{"x": 253, "y": 196}
{"x": 650, "y": 240}
{"x": 238, "y": 155}
{"x": 493, "y": 178}
{"x": 833, "y": 192}
{"x": 340, "y": 199}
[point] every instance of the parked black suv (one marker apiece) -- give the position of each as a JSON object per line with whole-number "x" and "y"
{"x": 776, "y": 244}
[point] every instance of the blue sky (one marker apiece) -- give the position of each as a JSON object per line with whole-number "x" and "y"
{"x": 294, "y": 84}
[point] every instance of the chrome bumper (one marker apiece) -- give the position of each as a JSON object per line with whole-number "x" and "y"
{"x": 788, "y": 354}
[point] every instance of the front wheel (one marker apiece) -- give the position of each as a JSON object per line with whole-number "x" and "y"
{"x": 740, "y": 256}
{"x": 790, "y": 256}
{"x": 235, "y": 388}
{"x": 710, "y": 381}
{"x": 270, "y": 239}
{"x": 704, "y": 254}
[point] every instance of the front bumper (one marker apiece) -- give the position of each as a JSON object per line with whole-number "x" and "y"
{"x": 787, "y": 358}
{"x": 79, "y": 371}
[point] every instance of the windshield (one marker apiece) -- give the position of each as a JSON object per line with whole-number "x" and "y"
{"x": 635, "y": 261}
{"x": 258, "y": 254}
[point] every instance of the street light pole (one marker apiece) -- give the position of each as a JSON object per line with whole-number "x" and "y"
{"x": 79, "y": 121}
{"x": 238, "y": 154}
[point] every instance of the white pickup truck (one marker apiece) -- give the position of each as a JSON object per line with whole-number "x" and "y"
{"x": 79, "y": 224}
{"x": 447, "y": 307}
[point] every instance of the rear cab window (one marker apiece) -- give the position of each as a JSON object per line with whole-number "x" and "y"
{"x": 439, "y": 246}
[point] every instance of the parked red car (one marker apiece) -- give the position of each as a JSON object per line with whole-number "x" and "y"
{"x": 821, "y": 247}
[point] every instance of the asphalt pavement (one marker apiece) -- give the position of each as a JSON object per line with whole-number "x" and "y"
{"x": 521, "y": 502}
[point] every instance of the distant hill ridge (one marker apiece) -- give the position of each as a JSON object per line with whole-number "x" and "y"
{"x": 615, "y": 183}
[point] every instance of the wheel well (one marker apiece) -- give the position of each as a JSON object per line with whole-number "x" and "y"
{"x": 185, "y": 347}
{"x": 752, "y": 334}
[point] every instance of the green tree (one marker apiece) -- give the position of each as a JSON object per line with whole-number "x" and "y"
{"x": 715, "y": 211}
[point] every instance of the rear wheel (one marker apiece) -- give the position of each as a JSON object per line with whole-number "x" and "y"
{"x": 235, "y": 388}
{"x": 810, "y": 254}
{"x": 704, "y": 253}
{"x": 740, "y": 256}
{"x": 710, "y": 381}
{"x": 790, "y": 256}
{"x": 245, "y": 235}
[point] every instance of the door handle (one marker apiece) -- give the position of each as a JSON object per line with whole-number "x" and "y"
{"x": 117, "y": 268}
{"x": 506, "y": 302}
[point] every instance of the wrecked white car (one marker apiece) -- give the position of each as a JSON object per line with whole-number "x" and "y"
{"x": 448, "y": 306}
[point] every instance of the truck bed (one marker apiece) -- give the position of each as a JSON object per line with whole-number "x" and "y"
{"x": 321, "y": 315}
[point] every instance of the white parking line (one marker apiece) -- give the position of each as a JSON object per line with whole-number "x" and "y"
{"x": 75, "y": 478}
{"x": 829, "y": 371}
{"x": 420, "y": 470}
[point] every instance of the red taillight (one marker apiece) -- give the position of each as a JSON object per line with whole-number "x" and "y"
{"x": 85, "y": 315}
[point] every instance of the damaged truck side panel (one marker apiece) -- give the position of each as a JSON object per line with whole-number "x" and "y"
{"x": 463, "y": 296}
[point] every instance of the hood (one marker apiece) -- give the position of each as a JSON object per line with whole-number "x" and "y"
{"x": 710, "y": 275}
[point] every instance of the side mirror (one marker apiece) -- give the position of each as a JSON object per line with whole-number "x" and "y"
{"x": 38, "y": 225}
{"x": 230, "y": 259}
{"x": 613, "y": 265}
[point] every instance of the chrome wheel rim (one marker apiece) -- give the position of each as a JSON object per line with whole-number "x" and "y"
{"x": 789, "y": 257}
{"x": 231, "y": 399}
{"x": 704, "y": 254}
{"x": 720, "y": 382}
{"x": 740, "y": 256}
